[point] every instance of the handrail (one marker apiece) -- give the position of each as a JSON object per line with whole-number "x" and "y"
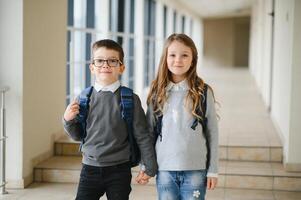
{"x": 2, "y": 139}
{"x": 4, "y": 89}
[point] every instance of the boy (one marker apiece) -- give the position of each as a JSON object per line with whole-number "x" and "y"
{"x": 106, "y": 150}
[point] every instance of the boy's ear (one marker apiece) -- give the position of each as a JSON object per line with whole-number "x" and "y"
{"x": 122, "y": 68}
{"x": 91, "y": 67}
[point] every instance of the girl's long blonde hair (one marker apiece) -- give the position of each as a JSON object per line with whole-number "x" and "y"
{"x": 157, "y": 95}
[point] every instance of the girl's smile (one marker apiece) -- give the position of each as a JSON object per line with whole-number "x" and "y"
{"x": 179, "y": 60}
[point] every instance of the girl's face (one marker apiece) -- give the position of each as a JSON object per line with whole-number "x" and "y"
{"x": 179, "y": 60}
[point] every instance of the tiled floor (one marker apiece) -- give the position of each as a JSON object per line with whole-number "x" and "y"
{"x": 56, "y": 191}
{"x": 244, "y": 119}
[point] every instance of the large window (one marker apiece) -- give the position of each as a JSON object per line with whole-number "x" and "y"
{"x": 81, "y": 17}
{"x": 122, "y": 30}
{"x": 150, "y": 40}
{"x": 85, "y": 26}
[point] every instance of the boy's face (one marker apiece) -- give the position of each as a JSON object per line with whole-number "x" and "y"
{"x": 106, "y": 66}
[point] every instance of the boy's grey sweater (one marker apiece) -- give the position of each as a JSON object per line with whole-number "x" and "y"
{"x": 107, "y": 143}
{"x": 181, "y": 147}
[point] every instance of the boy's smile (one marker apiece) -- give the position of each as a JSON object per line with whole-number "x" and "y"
{"x": 106, "y": 66}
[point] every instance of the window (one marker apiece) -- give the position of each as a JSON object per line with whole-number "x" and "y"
{"x": 149, "y": 43}
{"x": 122, "y": 30}
{"x": 85, "y": 26}
{"x": 80, "y": 18}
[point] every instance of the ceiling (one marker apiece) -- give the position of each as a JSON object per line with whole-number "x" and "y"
{"x": 219, "y": 8}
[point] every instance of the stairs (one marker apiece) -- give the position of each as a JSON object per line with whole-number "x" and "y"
{"x": 244, "y": 167}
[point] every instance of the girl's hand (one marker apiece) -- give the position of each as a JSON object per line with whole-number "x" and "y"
{"x": 71, "y": 111}
{"x": 211, "y": 183}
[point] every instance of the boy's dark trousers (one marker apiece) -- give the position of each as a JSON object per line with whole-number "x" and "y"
{"x": 115, "y": 181}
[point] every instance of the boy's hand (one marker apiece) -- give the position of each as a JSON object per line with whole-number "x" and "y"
{"x": 211, "y": 183}
{"x": 142, "y": 178}
{"x": 71, "y": 111}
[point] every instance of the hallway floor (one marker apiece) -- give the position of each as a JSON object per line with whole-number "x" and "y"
{"x": 246, "y": 134}
{"x": 244, "y": 119}
{"x": 58, "y": 191}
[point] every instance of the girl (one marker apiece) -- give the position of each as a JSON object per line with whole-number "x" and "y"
{"x": 175, "y": 114}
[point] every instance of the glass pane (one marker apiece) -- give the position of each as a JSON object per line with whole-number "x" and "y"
{"x": 90, "y": 20}
{"x": 70, "y": 12}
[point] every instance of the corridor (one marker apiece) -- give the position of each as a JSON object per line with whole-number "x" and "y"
{"x": 250, "y": 151}
{"x": 248, "y": 51}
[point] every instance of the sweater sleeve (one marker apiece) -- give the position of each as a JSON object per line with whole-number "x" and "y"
{"x": 151, "y": 121}
{"x": 72, "y": 128}
{"x": 144, "y": 139}
{"x": 212, "y": 133}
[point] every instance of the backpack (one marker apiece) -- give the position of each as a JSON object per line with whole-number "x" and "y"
{"x": 126, "y": 107}
{"x": 201, "y": 107}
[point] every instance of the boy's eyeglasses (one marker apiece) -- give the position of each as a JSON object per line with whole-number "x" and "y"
{"x": 110, "y": 62}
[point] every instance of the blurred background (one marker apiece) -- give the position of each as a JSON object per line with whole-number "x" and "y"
{"x": 249, "y": 52}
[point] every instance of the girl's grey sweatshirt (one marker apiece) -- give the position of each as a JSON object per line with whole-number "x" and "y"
{"x": 181, "y": 147}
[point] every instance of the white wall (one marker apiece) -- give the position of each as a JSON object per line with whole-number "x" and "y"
{"x": 294, "y": 149}
{"x": 11, "y": 74}
{"x": 257, "y": 42}
{"x": 198, "y": 38}
{"x": 44, "y": 73}
{"x": 282, "y": 69}
{"x": 267, "y": 52}
{"x": 282, "y": 80}
{"x": 260, "y": 47}
{"x": 33, "y": 65}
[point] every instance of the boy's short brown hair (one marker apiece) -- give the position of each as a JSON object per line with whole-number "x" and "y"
{"x": 109, "y": 44}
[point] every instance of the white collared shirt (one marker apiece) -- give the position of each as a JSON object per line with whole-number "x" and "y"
{"x": 112, "y": 87}
{"x": 183, "y": 85}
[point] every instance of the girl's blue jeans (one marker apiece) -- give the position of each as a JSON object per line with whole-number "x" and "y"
{"x": 182, "y": 185}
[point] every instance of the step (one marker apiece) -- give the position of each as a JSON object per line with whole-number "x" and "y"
{"x": 242, "y": 151}
{"x": 66, "y": 169}
{"x": 232, "y": 174}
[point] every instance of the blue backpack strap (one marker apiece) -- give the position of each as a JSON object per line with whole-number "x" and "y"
{"x": 127, "y": 108}
{"x": 158, "y": 128}
{"x": 84, "y": 101}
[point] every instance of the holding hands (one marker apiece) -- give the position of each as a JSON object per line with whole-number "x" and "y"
{"x": 142, "y": 178}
